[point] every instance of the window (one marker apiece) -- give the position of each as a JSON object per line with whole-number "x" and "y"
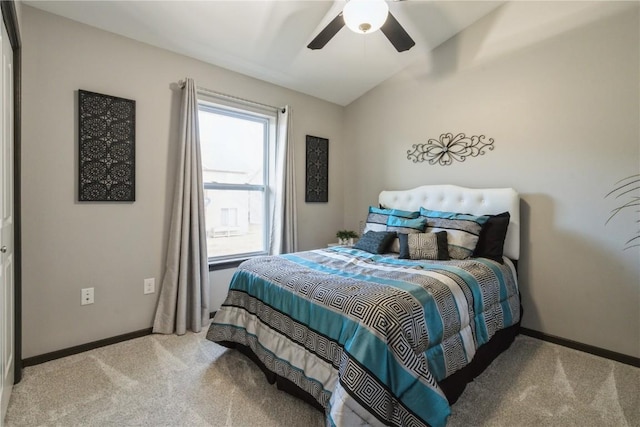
{"x": 229, "y": 217}
{"x": 237, "y": 149}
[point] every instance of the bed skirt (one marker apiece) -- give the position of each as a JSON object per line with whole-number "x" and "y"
{"x": 452, "y": 386}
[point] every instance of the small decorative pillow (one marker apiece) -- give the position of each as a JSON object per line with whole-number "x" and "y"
{"x": 462, "y": 230}
{"x": 378, "y": 217}
{"x": 424, "y": 246}
{"x": 376, "y": 242}
{"x": 491, "y": 239}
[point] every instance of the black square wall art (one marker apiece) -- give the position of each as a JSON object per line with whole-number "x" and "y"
{"x": 317, "y": 179}
{"x": 107, "y": 148}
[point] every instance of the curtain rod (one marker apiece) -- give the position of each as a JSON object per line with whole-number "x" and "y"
{"x": 231, "y": 97}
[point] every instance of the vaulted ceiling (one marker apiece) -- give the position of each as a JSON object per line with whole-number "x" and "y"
{"x": 268, "y": 39}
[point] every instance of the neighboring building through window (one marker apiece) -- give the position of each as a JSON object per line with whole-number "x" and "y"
{"x": 237, "y": 148}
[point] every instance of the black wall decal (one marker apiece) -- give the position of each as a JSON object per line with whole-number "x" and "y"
{"x": 107, "y": 131}
{"x": 317, "y": 178}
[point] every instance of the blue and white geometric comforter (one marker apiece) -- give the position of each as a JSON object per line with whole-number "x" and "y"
{"x": 368, "y": 336}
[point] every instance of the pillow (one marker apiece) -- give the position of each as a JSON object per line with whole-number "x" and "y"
{"x": 491, "y": 239}
{"x": 462, "y": 230}
{"x": 424, "y": 246}
{"x": 407, "y": 226}
{"x": 376, "y": 242}
{"x": 395, "y": 246}
{"x": 402, "y": 225}
{"x": 378, "y": 217}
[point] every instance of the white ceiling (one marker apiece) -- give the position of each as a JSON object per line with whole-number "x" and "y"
{"x": 267, "y": 39}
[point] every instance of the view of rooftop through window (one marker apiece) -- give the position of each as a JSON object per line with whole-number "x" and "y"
{"x": 234, "y": 169}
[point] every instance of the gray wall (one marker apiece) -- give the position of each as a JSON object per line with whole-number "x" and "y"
{"x": 562, "y": 102}
{"x": 113, "y": 246}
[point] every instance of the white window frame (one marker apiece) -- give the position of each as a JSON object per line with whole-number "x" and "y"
{"x": 269, "y": 121}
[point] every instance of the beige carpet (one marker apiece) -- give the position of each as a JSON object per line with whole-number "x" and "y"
{"x": 188, "y": 381}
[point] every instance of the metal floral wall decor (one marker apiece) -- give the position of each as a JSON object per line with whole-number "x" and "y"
{"x": 317, "y": 171}
{"x": 449, "y": 148}
{"x": 107, "y": 127}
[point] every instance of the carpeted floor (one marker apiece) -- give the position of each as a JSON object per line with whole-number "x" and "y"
{"x": 163, "y": 380}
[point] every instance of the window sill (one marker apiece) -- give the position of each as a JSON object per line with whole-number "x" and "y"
{"x": 226, "y": 264}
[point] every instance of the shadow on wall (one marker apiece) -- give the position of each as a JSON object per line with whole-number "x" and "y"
{"x": 459, "y": 51}
{"x": 447, "y": 58}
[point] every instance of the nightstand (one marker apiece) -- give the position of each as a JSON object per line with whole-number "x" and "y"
{"x": 330, "y": 245}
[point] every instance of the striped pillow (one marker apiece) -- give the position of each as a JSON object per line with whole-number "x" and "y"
{"x": 403, "y": 225}
{"x": 462, "y": 230}
{"x": 378, "y": 217}
{"x": 406, "y": 226}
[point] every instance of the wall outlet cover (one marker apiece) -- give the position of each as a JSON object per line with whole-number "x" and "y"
{"x": 86, "y": 296}
{"x": 149, "y": 285}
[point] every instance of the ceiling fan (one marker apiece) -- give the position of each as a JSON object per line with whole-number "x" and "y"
{"x": 365, "y": 16}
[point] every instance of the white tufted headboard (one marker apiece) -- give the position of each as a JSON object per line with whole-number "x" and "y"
{"x": 451, "y": 198}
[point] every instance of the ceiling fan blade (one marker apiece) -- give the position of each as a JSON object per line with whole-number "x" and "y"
{"x": 398, "y": 37}
{"x": 327, "y": 33}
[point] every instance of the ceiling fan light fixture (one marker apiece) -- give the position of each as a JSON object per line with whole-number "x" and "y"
{"x": 365, "y": 16}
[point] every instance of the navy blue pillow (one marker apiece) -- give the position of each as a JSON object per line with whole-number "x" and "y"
{"x": 492, "y": 235}
{"x": 375, "y": 242}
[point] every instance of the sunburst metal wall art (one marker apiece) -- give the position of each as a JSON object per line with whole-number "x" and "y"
{"x": 107, "y": 148}
{"x": 449, "y": 148}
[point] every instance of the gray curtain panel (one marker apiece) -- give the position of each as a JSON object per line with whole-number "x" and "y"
{"x": 184, "y": 296}
{"x": 284, "y": 232}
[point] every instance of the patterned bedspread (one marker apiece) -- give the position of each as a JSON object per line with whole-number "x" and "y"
{"x": 368, "y": 336}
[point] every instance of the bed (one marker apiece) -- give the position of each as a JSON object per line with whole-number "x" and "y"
{"x": 376, "y": 338}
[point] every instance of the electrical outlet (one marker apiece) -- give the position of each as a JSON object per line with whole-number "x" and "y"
{"x": 86, "y": 296}
{"x": 149, "y": 285}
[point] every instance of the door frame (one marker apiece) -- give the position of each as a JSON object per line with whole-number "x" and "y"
{"x": 10, "y": 18}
